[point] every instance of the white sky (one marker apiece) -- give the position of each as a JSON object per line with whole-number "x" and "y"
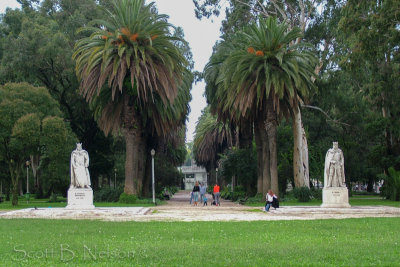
{"x": 201, "y": 36}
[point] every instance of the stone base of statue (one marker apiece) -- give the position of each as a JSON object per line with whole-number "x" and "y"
{"x": 335, "y": 197}
{"x": 80, "y": 199}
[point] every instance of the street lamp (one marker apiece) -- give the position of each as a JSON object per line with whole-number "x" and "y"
{"x": 153, "y": 152}
{"x": 27, "y": 177}
{"x": 115, "y": 178}
{"x": 216, "y": 175}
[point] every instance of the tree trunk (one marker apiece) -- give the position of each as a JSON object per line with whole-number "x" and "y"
{"x": 142, "y": 151}
{"x": 132, "y": 134}
{"x": 15, "y": 171}
{"x": 147, "y": 177}
{"x": 259, "y": 148}
{"x": 300, "y": 151}
{"x": 245, "y": 134}
{"x": 35, "y": 160}
{"x": 271, "y": 130}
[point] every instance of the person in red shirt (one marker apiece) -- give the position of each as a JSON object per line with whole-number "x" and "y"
{"x": 216, "y": 194}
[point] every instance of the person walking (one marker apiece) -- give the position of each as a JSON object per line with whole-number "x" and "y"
{"x": 216, "y": 194}
{"x": 196, "y": 190}
{"x": 269, "y": 199}
{"x": 203, "y": 190}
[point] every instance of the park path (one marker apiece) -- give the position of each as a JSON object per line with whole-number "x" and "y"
{"x": 179, "y": 209}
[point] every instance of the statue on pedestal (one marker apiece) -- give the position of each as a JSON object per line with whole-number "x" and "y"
{"x": 80, "y": 177}
{"x": 334, "y": 167}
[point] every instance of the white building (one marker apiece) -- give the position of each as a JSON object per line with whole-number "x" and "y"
{"x": 192, "y": 174}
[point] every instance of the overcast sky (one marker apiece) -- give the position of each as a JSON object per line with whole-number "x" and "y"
{"x": 201, "y": 36}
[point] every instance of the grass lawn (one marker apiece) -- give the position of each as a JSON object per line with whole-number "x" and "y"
{"x": 348, "y": 242}
{"x": 43, "y": 203}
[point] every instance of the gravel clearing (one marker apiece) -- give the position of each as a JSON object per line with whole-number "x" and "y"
{"x": 179, "y": 209}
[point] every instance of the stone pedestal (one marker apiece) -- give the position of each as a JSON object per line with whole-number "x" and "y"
{"x": 335, "y": 197}
{"x": 80, "y": 199}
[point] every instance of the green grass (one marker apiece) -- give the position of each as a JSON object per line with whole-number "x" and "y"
{"x": 348, "y": 242}
{"x": 354, "y": 201}
{"x": 43, "y": 203}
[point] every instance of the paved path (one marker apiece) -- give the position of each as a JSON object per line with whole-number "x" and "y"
{"x": 179, "y": 209}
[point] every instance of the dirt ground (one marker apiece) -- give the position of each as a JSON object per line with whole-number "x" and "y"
{"x": 179, "y": 209}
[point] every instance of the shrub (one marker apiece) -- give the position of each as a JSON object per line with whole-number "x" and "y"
{"x": 303, "y": 194}
{"x": 256, "y": 199}
{"x": 128, "y": 199}
{"x": 316, "y": 193}
{"x": 391, "y": 187}
{"x": 53, "y": 198}
{"x": 108, "y": 194}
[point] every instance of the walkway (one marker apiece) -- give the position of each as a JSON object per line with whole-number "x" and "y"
{"x": 179, "y": 209}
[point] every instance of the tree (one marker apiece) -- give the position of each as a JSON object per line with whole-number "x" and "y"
{"x": 265, "y": 75}
{"x": 211, "y": 138}
{"x": 132, "y": 59}
{"x": 370, "y": 36}
{"x": 31, "y": 126}
{"x": 36, "y": 46}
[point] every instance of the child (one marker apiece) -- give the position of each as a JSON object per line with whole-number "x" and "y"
{"x": 205, "y": 201}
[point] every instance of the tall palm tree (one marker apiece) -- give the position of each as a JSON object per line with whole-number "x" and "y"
{"x": 131, "y": 60}
{"x": 211, "y": 137}
{"x": 265, "y": 75}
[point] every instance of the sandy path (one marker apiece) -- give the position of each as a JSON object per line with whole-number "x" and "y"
{"x": 179, "y": 209}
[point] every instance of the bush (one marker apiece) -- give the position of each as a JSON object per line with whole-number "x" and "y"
{"x": 256, "y": 199}
{"x": 53, "y": 198}
{"x": 108, "y": 194}
{"x": 128, "y": 199}
{"x": 391, "y": 187}
{"x": 303, "y": 194}
{"x": 316, "y": 193}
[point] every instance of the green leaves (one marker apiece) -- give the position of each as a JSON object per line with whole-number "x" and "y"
{"x": 262, "y": 60}
{"x": 135, "y": 44}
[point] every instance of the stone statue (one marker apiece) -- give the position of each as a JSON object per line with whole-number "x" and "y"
{"x": 334, "y": 167}
{"x": 80, "y": 177}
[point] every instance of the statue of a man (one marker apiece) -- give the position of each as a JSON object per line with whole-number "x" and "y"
{"x": 80, "y": 177}
{"x": 334, "y": 167}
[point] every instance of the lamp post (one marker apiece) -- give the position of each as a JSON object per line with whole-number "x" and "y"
{"x": 216, "y": 175}
{"x": 27, "y": 176}
{"x": 115, "y": 178}
{"x": 153, "y": 152}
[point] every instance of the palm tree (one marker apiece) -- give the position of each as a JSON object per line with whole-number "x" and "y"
{"x": 211, "y": 138}
{"x": 131, "y": 61}
{"x": 265, "y": 75}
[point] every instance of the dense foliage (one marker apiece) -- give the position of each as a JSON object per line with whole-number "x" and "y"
{"x": 358, "y": 92}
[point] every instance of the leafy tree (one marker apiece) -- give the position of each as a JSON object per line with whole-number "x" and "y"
{"x": 264, "y": 75}
{"x": 31, "y": 125}
{"x": 36, "y": 46}
{"x": 132, "y": 61}
{"x": 371, "y": 37}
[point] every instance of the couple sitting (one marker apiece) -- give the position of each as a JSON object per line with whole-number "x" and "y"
{"x": 272, "y": 200}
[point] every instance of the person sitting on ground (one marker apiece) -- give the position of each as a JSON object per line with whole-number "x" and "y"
{"x": 196, "y": 190}
{"x": 270, "y": 198}
{"x": 216, "y": 194}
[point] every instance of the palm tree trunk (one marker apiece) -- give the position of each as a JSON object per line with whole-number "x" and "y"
{"x": 141, "y": 164}
{"x": 300, "y": 151}
{"x": 259, "y": 148}
{"x": 271, "y": 129}
{"x": 266, "y": 163}
{"x": 130, "y": 162}
{"x": 132, "y": 134}
{"x": 245, "y": 134}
